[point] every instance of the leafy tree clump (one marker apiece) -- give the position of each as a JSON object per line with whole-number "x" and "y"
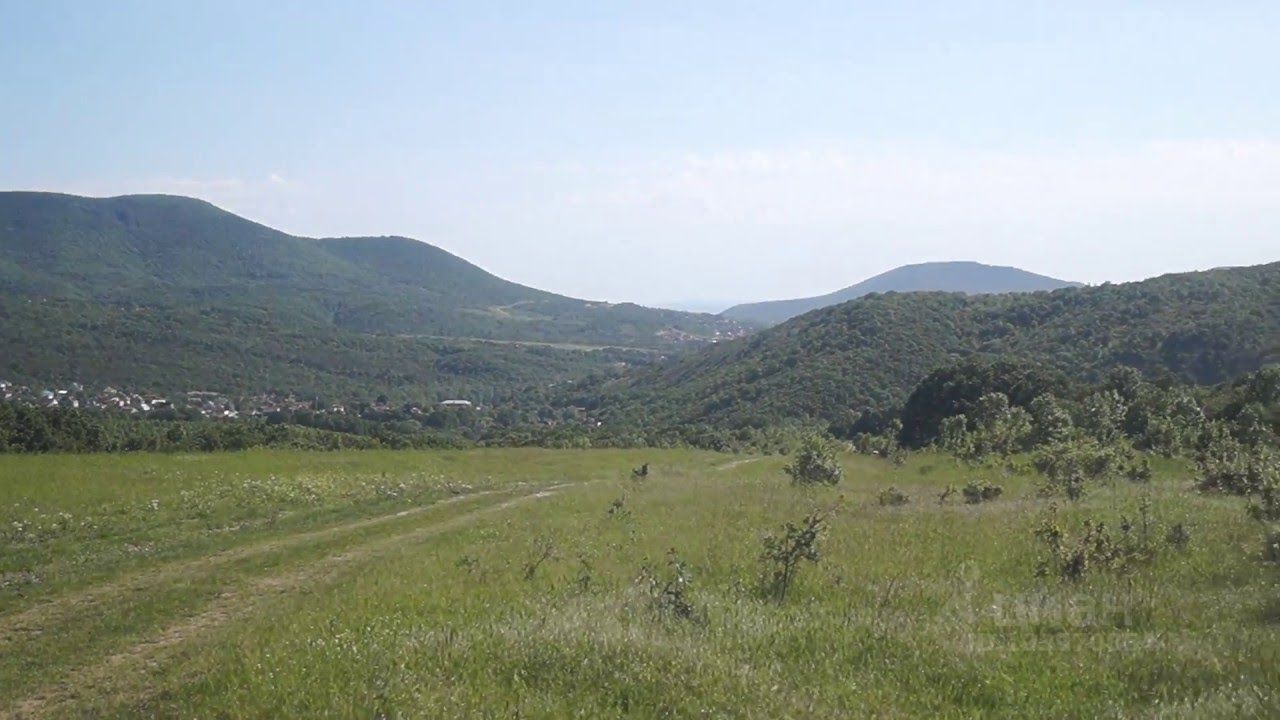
{"x": 815, "y": 462}
{"x": 994, "y": 427}
{"x": 1102, "y": 416}
{"x": 882, "y": 444}
{"x": 1050, "y": 422}
{"x": 972, "y": 389}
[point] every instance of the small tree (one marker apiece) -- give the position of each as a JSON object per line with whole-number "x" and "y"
{"x": 1050, "y": 421}
{"x": 815, "y": 462}
{"x": 784, "y": 552}
{"x": 1103, "y": 415}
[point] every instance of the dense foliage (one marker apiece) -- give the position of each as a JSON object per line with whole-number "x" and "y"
{"x": 832, "y": 364}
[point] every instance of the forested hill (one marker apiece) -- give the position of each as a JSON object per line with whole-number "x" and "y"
{"x": 167, "y": 294}
{"x": 160, "y": 252}
{"x": 965, "y": 277}
{"x": 1203, "y": 327}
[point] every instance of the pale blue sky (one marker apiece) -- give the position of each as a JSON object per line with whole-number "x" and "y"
{"x": 657, "y": 151}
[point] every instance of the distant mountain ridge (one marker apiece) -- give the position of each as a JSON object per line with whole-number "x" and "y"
{"x": 967, "y": 277}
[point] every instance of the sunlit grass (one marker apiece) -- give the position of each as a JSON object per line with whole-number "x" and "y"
{"x": 926, "y": 609}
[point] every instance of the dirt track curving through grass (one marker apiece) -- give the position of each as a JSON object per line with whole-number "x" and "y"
{"x": 51, "y": 612}
{"x": 97, "y": 676}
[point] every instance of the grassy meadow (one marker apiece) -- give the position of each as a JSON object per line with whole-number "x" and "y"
{"x": 542, "y": 583}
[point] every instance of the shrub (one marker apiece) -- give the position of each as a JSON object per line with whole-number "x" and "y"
{"x": 543, "y": 551}
{"x": 1266, "y": 508}
{"x": 618, "y": 508}
{"x": 946, "y": 494}
{"x": 1139, "y": 471}
{"x": 1178, "y": 536}
{"x": 666, "y": 591}
{"x": 1067, "y": 467}
{"x": 1070, "y": 557}
{"x": 1271, "y": 547}
{"x": 893, "y": 497}
{"x": 815, "y": 462}
{"x": 1230, "y": 467}
{"x": 976, "y": 492}
{"x": 784, "y": 552}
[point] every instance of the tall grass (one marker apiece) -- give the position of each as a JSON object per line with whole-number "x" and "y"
{"x": 922, "y": 609}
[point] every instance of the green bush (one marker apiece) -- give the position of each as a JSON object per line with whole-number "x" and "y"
{"x": 815, "y": 462}
{"x": 666, "y": 592}
{"x": 893, "y": 497}
{"x": 1069, "y": 467}
{"x": 979, "y": 492}
{"x": 1070, "y": 556}
{"x": 784, "y": 552}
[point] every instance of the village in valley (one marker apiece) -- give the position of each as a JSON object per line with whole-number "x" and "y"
{"x": 202, "y": 403}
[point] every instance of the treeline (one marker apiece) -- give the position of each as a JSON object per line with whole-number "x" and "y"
{"x": 1008, "y": 407}
{"x": 973, "y": 409}
{"x": 26, "y": 429}
{"x": 1079, "y": 435}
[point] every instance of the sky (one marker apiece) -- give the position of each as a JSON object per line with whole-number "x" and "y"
{"x": 698, "y": 154}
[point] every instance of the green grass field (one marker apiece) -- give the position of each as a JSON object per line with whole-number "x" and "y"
{"x": 519, "y": 583}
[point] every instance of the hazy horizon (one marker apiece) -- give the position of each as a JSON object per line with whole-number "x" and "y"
{"x": 718, "y": 154}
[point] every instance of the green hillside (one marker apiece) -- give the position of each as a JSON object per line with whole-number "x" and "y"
{"x": 160, "y": 251}
{"x": 169, "y": 293}
{"x": 964, "y": 277}
{"x": 1204, "y": 327}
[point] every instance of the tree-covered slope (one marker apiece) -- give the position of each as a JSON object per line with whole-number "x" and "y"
{"x": 1203, "y": 327}
{"x": 163, "y": 252}
{"x": 963, "y": 277}
{"x": 169, "y": 293}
